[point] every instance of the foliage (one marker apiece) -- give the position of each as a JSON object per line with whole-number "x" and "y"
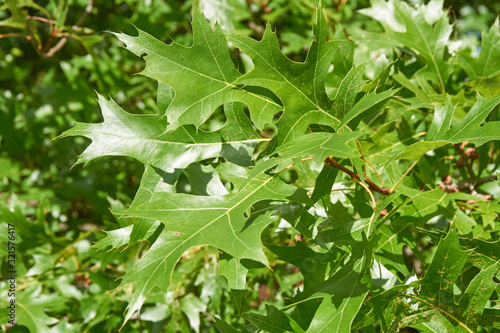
{"x": 339, "y": 180}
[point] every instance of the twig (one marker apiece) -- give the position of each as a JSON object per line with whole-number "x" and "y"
{"x": 467, "y": 185}
{"x": 374, "y": 187}
{"x": 41, "y": 19}
{"x": 15, "y": 34}
{"x": 53, "y": 50}
{"x": 87, "y": 11}
{"x": 484, "y": 180}
{"x": 53, "y": 31}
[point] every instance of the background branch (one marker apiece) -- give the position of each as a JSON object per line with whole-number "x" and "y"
{"x": 371, "y": 185}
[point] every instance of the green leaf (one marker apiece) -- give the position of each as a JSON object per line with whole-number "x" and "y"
{"x": 374, "y": 220}
{"x": 343, "y": 294}
{"x": 192, "y": 306}
{"x": 204, "y": 180}
{"x": 115, "y": 238}
{"x": 365, "y": 104}
{"x": 300, "y": 86}
{"x": 490, "y": 318}
{"x": 203, "y": 75}
{"x": 424, "y": 29}
{"x": 423, "y": 98}
{"x": 224, "y": 327}
{"x": 349, "y": 87}
{"x": 313, "y": 265}
{"x": 9, "y": 170}
{"x": 426, "y": 205}
{"x": 467, "y": 129}
{"x": 31, "y": 310}
{"x": 380, "y": 80}
{"x": 197, "y": 220}
{"x": 392, "y": 240}
{"x": 235, "y": 158}
{"x": 315, "y": 145}
{"x": 143, "y": 137}
{"x": 446, "y": 266}
{"x": 487, "y": 64}
{"x": 141, "y": 229}
{"x": 431, "y": 299}
{"x": 483, "y": 253}
{"x": 235, "y": 273}
{"x": 477, "y": 294}
{"x": 324, "y": 182}
{"x": 443, "y": 131}
{"x": 488, "y": 87}
{"x": 463, "y": 223}
{"x": 275, "y": 321}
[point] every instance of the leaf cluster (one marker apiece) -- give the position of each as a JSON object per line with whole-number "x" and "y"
{"x": 346, "y": 185}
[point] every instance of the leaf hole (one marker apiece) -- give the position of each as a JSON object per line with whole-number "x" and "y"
{"x": 215, "y": 122}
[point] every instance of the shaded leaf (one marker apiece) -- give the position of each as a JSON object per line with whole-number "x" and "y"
{"x": 275, "y": 321}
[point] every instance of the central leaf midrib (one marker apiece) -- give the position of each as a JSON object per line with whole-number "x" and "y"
{"x": 446, "y": 313}
{"x": 181, "y": 143}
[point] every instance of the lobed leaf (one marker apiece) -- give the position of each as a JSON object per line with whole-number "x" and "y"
{"x": 203, "y": 75}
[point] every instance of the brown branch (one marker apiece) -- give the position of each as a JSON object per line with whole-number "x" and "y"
{"x": 41, "y": 19}
{"x": 49, "y": 42}
{"x": 484, "y": 180}
{"x": 15, "y": 34}
{"x": 87, "y": 11}
{"x": 467, "y": 185}
{"x": 53, "y": 50}
{"x": 371, "y": 185}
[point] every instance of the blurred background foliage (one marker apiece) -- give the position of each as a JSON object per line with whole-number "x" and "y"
{"x": 53, "y": 55}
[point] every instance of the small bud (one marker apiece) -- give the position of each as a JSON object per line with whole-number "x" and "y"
{"x": 447, "y": 180}
{"x": 460, "y": 162}
{"x": 471, "y": 153}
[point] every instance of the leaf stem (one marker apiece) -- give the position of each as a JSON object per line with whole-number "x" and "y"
{"x": 402, "y": 177}
{"x": 15, "y": 34}
{"x": 369, "y": 192}
{"x": 374, "y": 170}
{"x": 41, "y": 19}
